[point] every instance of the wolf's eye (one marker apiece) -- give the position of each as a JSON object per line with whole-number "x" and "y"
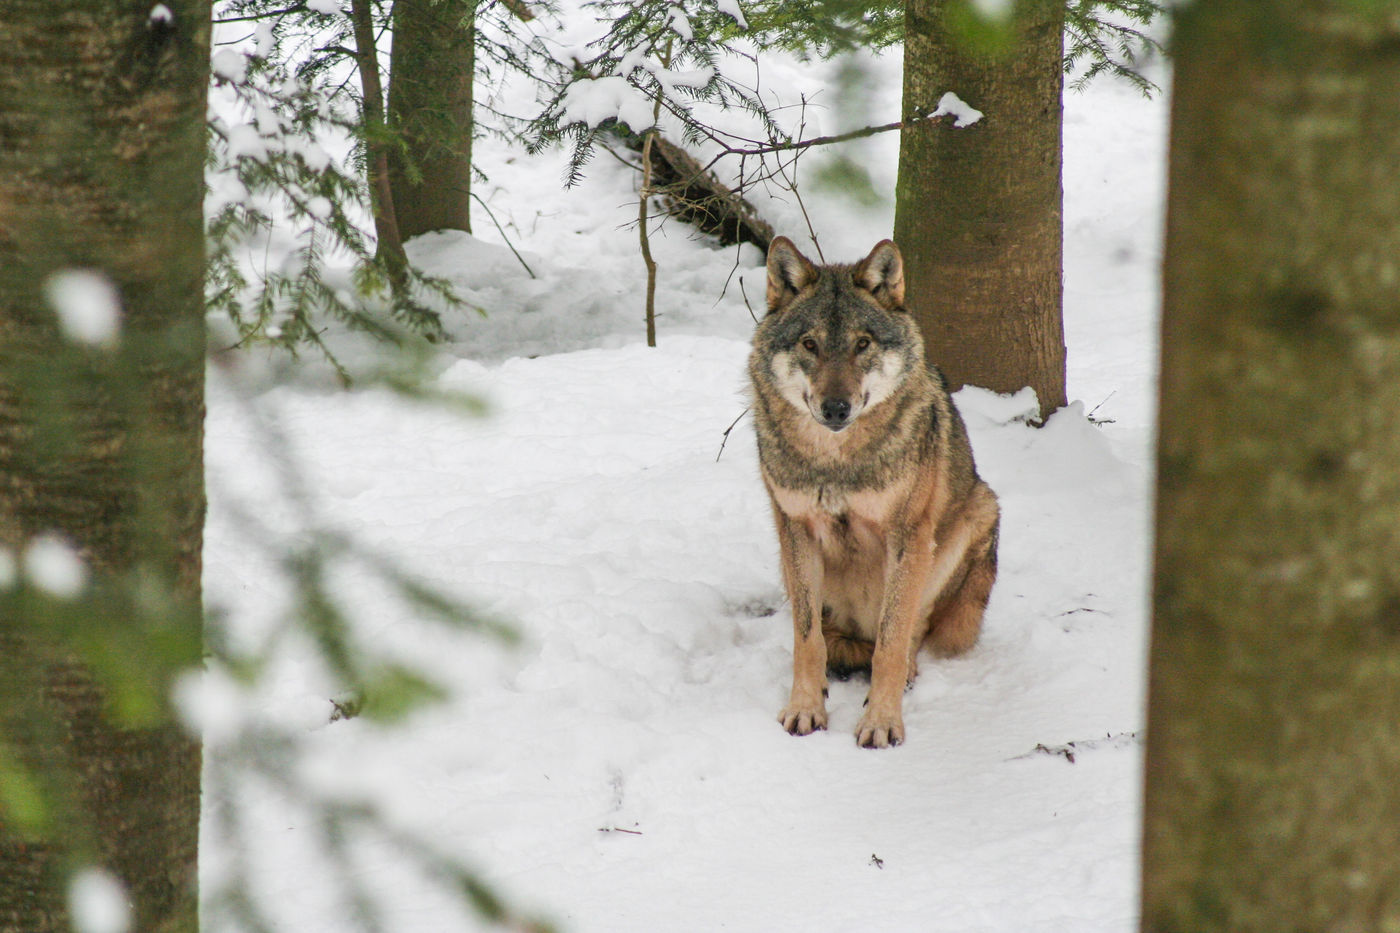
{"x": 862, "y": 344}
{"x": 809, "y": 344}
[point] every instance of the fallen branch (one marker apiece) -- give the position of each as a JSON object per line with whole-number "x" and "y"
{"x": 693, "y": 194}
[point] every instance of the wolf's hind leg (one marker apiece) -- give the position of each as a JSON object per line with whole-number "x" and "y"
{"x": 956, "y": 621}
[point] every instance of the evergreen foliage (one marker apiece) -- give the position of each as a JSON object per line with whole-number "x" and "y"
{"x": 1110, "y": 37}
{"x": 300, "y": 157}
{"x": 655, "y": 57}
{"x": 1101, "y": 36}
{"x": 827, "y": 27}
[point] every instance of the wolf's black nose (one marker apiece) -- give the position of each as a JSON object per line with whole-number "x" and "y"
{"x": 835, "y": 410}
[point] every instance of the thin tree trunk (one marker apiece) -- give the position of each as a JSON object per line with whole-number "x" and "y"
{"x": 431, "y": 75}
{"x": 644, "y": 236}
{"x": 643, "y": 202}
{"x": 1273, "y": 764}
{"x": 102, "y": 118}
{"x": 389, "y": 249}
{"x": 978, "y": 211}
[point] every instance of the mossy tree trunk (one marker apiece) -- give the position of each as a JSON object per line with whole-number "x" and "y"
{"x": 1273, "y": 764}
{"x": 102, "y": 143}
{"x": 978, "y": 209}
{"x": 431, "y": 75}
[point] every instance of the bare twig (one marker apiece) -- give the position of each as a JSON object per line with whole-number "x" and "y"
{"x": 269, "y": 14}
{"x": 725, "y": 440}
{"x": 1090, "y": 416}
{"x": 791, "y": 184}
{"x": 502, "y": 231}
{"x": 800, "y": 144}
{"x": 748, "y": 307}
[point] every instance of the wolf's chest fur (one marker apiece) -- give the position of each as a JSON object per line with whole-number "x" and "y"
{"x": 841, "y": 521}
{"x": 850, "y": 530}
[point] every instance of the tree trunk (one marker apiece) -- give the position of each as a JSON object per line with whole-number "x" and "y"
{"x": 978, "y": 208}
{"x": 1273, "y": 764}
{"x": 430, "y": 106}
{"x": 389, "y": 241}
{"x": 102, "y": 142}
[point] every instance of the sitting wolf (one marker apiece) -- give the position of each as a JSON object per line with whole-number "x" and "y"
{"x": 888, "y": 537}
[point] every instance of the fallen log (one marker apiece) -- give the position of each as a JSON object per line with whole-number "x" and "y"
{"x": 693, "y": 194}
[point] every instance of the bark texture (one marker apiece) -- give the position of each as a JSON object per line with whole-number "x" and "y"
{"x": 978, "y": 209}
{"x": 1273, "y": 764}
{"x": 102, "y": 123}
{"x": 431, "y": 75}
{"x": 388, "y": 239}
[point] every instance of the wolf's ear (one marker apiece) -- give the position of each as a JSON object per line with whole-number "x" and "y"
{"x": 882, "y": 274}
{"x": 788, "y": 273}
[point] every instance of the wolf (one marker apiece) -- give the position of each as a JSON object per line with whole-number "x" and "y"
{"x": 887, "y": 535}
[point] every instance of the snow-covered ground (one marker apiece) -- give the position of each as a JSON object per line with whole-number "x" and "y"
{"x": 621, "y": 769}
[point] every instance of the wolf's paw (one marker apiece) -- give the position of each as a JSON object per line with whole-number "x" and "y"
{"x": 879, "y": 730}
{"x": 802, "y": 719}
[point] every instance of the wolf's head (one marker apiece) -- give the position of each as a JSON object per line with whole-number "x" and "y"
{"x": 837, "y": 340}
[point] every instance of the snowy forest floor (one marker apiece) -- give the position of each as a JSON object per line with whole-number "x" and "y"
{"x": 621, "y": 768}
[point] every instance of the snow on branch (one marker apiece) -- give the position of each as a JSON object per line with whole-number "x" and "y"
{"x": 951, "y": 105}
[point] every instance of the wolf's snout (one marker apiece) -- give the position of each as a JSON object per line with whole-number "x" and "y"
{"x": 835, "y": 411}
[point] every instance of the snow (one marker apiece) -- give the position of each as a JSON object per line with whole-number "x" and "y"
{"x": 609, "y": 97}
{"x": 51, "y": 564}
{"x": 229, "y": 65}
{"x": 98, "y": 902}
{"x": 731, "y": 9}
{"x": 621, "y": 769}
{"x": 88, "y": 306}
{"x": 679, "y": 23}
{"x": 963, "y": 114}
{"x": 264, "y": 39}
{"x": 210, "y": 704}
{"x": 244, "y": 141}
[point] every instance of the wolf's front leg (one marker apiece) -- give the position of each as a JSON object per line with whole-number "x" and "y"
{"x": 802, "y": 573}
{"x": 909, "y": 564}
{"x": 882, "y": 725}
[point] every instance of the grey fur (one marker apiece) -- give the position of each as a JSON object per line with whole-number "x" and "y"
{"x": 888, "y": 535}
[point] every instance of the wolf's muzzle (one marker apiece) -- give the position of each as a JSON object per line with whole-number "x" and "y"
{"x": 836, "y": 413}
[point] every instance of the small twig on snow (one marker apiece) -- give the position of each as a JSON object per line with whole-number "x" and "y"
{"x": 1070, "y": 749}
{"x": 726, "y": 433}
{"x": 477, "y": 199}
